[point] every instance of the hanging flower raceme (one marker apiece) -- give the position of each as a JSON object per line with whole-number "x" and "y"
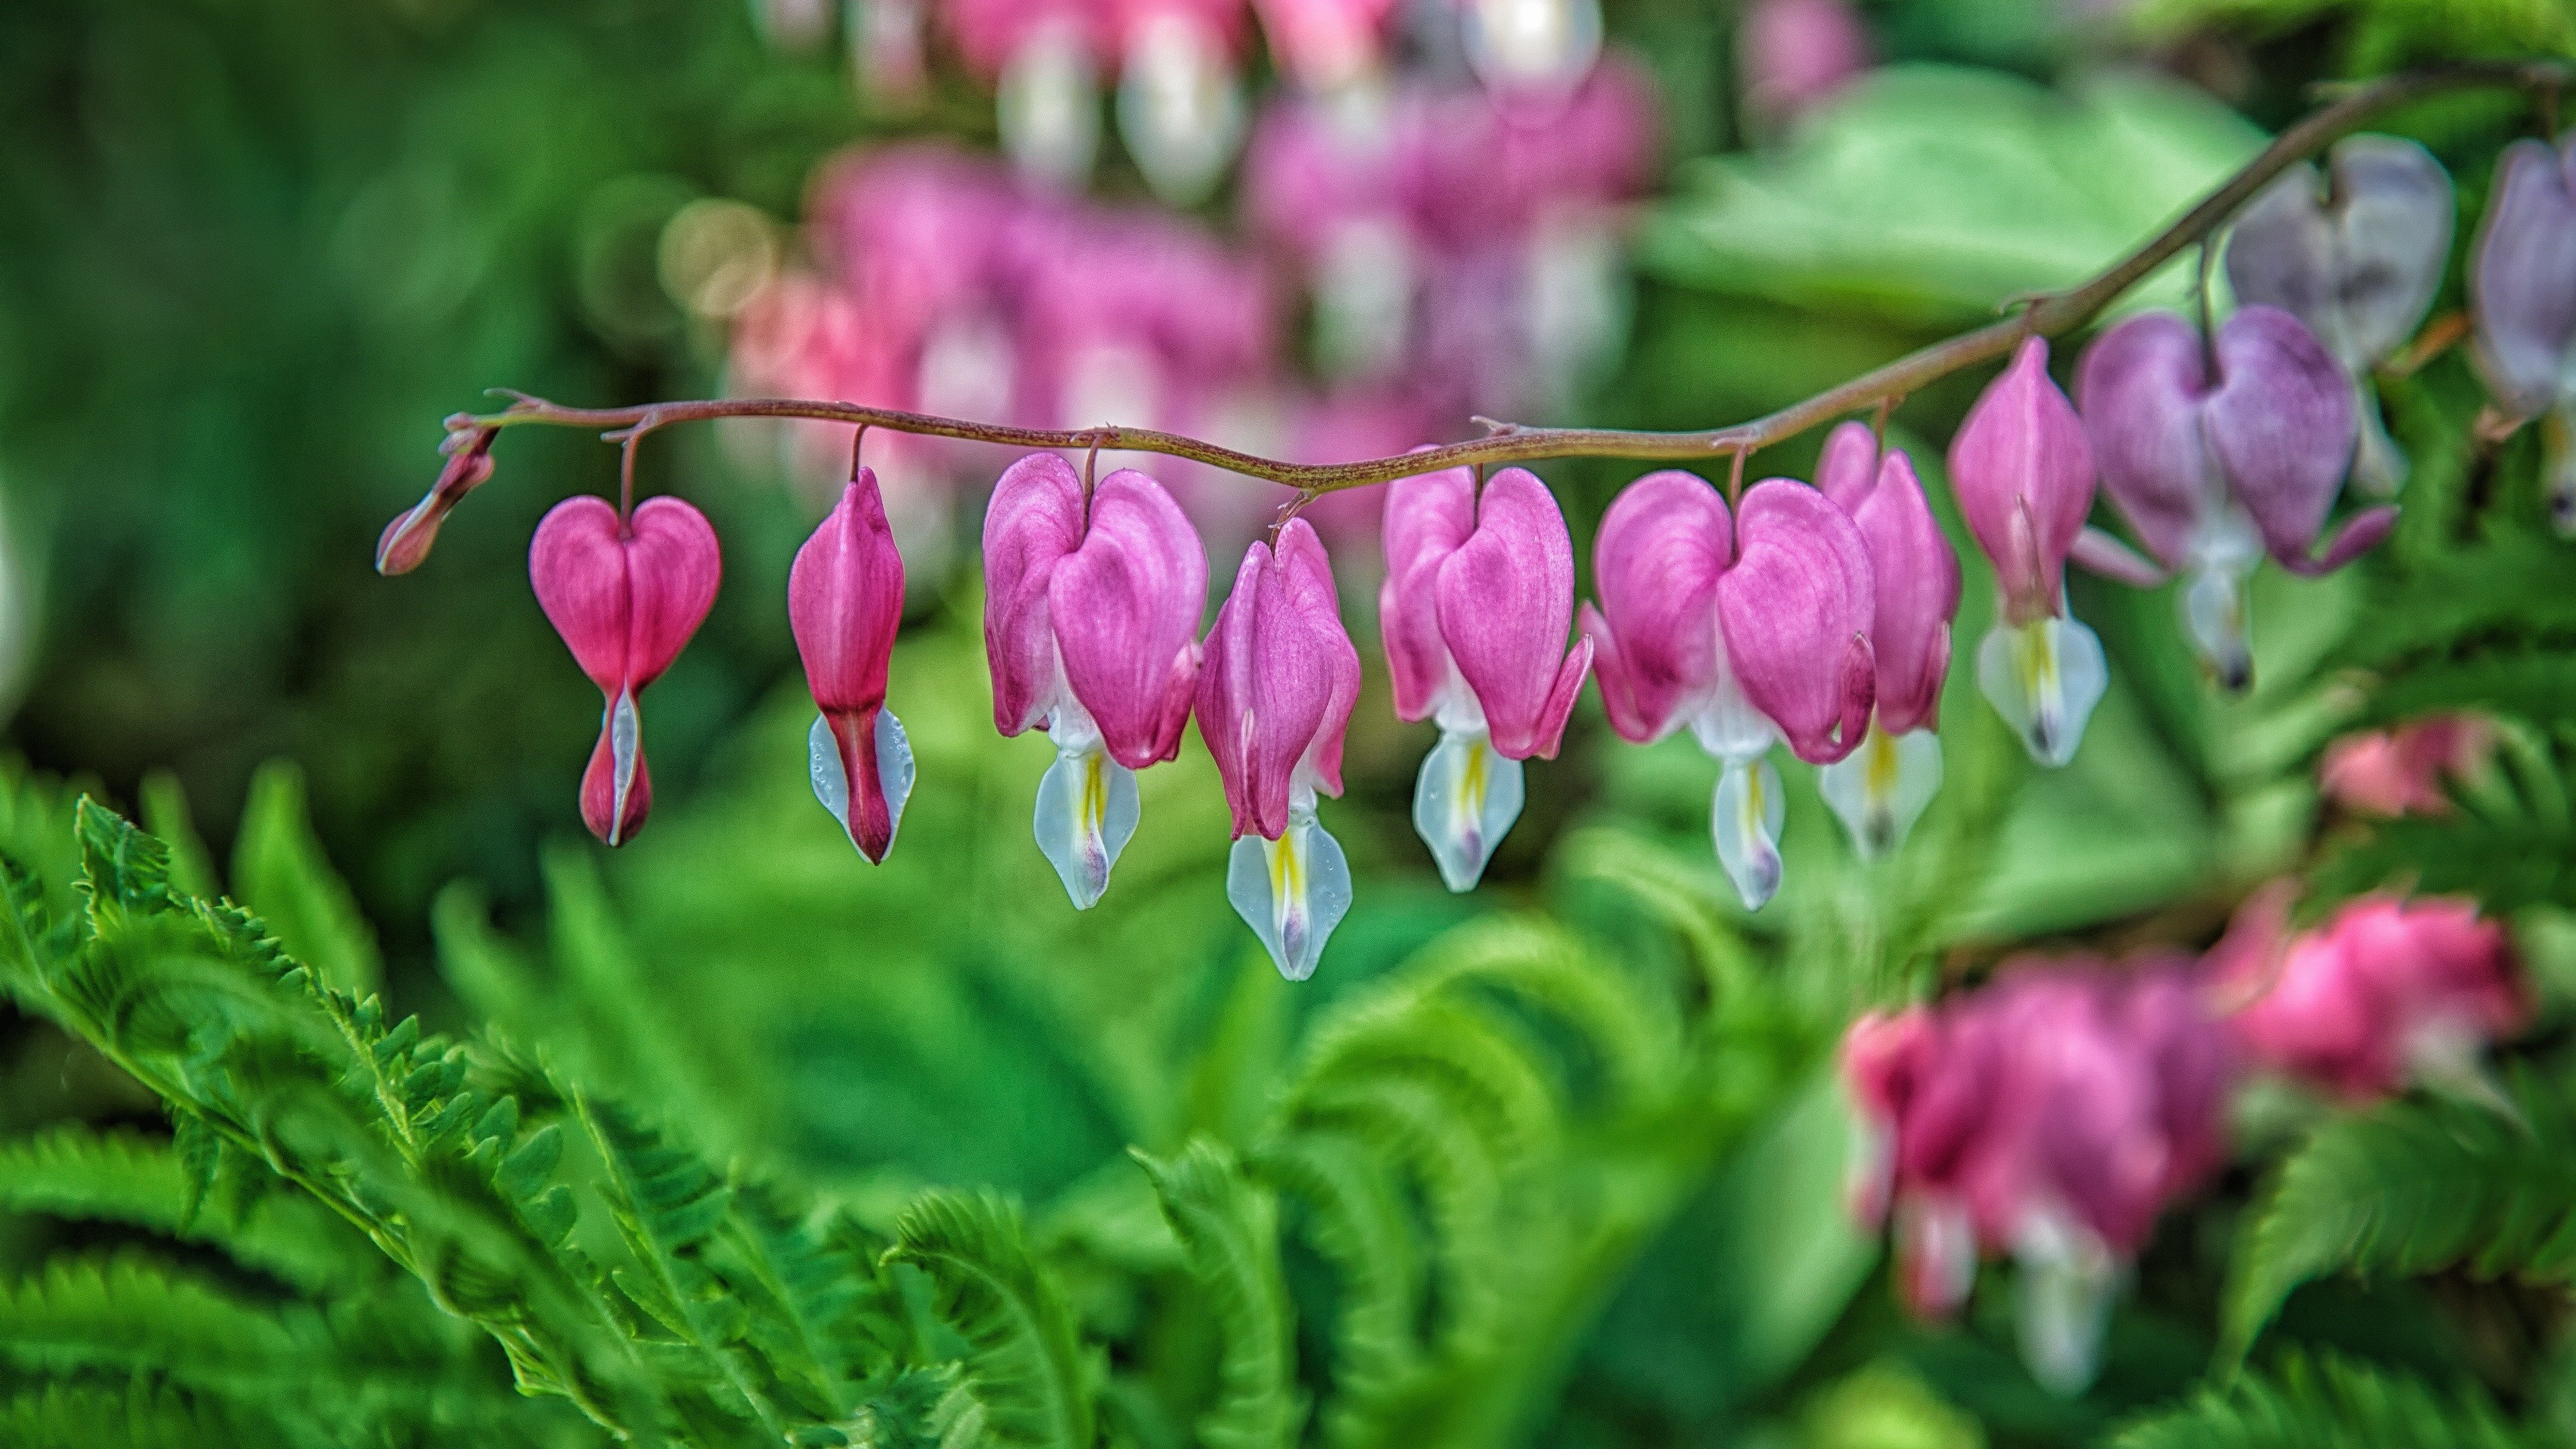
{"x": 2522, "y": 290}
{"x": 1881, "y": 789}
{"x": 1478, "y": 595}
{"x": 2219, "y": 455}
{"x": 1273, "y": 703}
{"x": 844, "y": 603}
{"x": 2358, "y": 259}
{"x": 2023, "y": 475}
{"x": 625, "y": 594}
{"x": 1749, "y": 632}
{"x": 2386, "y": 992}
{"x": 2051, "y": 1117}
{"x": 2403, "y": 771}
{"x": 1091, "y": 613}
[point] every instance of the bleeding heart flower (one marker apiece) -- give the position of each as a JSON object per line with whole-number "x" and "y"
{"x": 1478, "y": 595}
{"x": 626, "y": 596}
{"x": 1881, "y": 789}
{"x": 1091, "y": 616}
{"x": 2357, "y": 258}
{"x": 1273, "y": 702}
{"x": 2403, "y": 771}
{"x": 2522, "y": 290}
{"x": 1180, "y": 107}
{"x": 1748, "y": 634}
{"x": 844, "y": 603}
{"x": 2218, "y": 456}
{"x": 2023, "y": 475}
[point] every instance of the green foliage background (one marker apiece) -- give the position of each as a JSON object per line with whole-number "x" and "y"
{"x": 419, "y": 1119}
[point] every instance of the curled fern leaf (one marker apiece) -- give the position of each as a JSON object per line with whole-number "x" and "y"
{"x": 2327, "y": 1403}
{"x": 1024, "y": 1360}
{"x": 1230, "y": 1230}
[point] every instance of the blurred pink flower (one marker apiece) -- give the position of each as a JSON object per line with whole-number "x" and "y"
{"x": 2388, "y": 991}
{"x": 1795, "y": 53}
{"x": 2402, "y": 771}
{"x": 1325, "y": 44}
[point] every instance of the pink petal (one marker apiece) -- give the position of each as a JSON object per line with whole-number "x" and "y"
{"x": 1656, "y": 563}
{"x": 2142, "y": 385}
{"x": 1308, "y": 577}
{"x": 1915, "y": 580}
{"x": 1848, "y": 467}
{"x": 1792, "y": 609}
{"x": 599, "y": 794}
{"x": 1279, "y": 680}
{"x": 1126, "y": 608}
{"x": 2281, "y": 425}
{"x": 1034, "y": 520}
{"x": 2102, "y": 554}
{"x": 1427, "y": 518}
{"x": 2023, "y": 475}
{"x": 845, "y": 601}
{"x": 625, "y": 603}
{"x": 1506, "y": 598}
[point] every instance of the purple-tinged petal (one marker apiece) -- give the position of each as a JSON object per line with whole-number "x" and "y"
{"x": 1848, "y": 467}
{"x": 2102, "y": 554}
{"x": 2143, "y": 384}
{"x": 1795, "y": 611}
{"x": 2522, "y": 280}
{"x": 1506, "y": 597}
{"x": 2281, "y": 425}
{"x": 1125, "y": 607}
{"x": 2358, "y": 260}
{"x": 1279, "y": 681}
{"x": 844, "y": 605}
{"x": 1915, "y": 580}
{"x": 2358, "y": 536}
{"x": 1656, "y": 563}
{"x": 1034, "y": 520}
{"x": 2023, "y": 475}
{"x": 1428, "y": 517}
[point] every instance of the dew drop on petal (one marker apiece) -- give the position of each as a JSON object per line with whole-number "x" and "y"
{"x": 1464, "y": 803}
{"x": 1291, "y": 891}
{"x": 1746, "y": 819}
{"x": 2044, "y": 678}
{"x": 1087, "y": 812}
{"x": 1879, "y": 790}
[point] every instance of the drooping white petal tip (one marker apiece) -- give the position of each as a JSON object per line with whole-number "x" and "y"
{"x": 1087, "y": 812}
{"x": 1746, "y": 818}
{"x": 894, "y": 771}
{"x": 2044, "y": 678}
{"x": 1464, "y": 802}
{"x": 1291, "y": 891}
{"x": 1879, "y": 790}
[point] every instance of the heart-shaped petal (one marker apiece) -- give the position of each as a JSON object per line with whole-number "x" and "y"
{"x": 2023, "y": 474}
{"x": 1125, "y": 607}
{"x": 1034, "y": 520}
{"x": 1795, "y": 612}
{"x": 2522, "y": 280}
{"x": 1656, "y": 562}
{"x": 1506, "y": 597}
{"x": 1427, "y": 518}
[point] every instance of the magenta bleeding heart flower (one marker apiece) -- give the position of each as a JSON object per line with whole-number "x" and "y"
{"x": 2050, "y": 1116}
{"x": 2522, "y": 291}
{"x": 1882, "y": 788}
{"x": 2023, "y": 474}
{"x": 1478, "y": 596}
{"x": 844, "y": 603}
{"x": 2357, "y": 256}
{"x": 1273, "y": 702}
{"x": 2406, "y": 770}
{"x": 625, "y": 595}
{"x": 1091, "y": 614}
{"x": 2388, "y": 991}
{"x": 2219, "y": 456}
{"x": 1749, "y": 632}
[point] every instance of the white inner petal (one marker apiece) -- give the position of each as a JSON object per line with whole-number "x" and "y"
{"x": 1879, "y": 790}
{"x": 1291, "y": 891}
{"x": 625, "y": 747}
{"x": 1464, "y": 802}
{"x": 1746, "y": 819}
{"x": 2044, "y": 678}
{"x": 1087, "y": 812}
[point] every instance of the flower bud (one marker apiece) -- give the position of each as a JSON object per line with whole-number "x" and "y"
{"x": 625, "y": 595}
{"x": 2023, "y": 475}
{"x": 405, "y": 543}
{"x": 1789, "y": 592}
{"x": 2213, "y": 467}
{"x": 1882, "y": 788}
{"x": 1478, "y": 595}
{"x": 844, "y": 604}
{"x": 2357, "y": 259}
{"x": 1273, "y": 702}
{"x": 1090, "y": 624}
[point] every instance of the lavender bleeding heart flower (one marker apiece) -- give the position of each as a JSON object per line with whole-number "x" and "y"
{"x": 2522, "y": 291}
{"x": 1091, "y": 615}
{"x": 2219, "y": 456}
{"x": 844, "y": 603}
{"x": 2023, "y": 475}
{"x": 1273, "y": 702}
{"x": 1750, "y": 633}
{"x": 2358, "y": 259}
{"x": 1478, "y": 595}
{"x": 625, "y": 594}
{"x": 1882, "y": 788}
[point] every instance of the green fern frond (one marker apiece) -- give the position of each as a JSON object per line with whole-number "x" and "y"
{"x": 2529, "y": 682}
{"x": 2511, "y": 843}
{"x": 279, "y": 871}
{"x": 140, "y": 1415}
{"x": 1229, "y": 1230}
{"x": 1636, "y": 1038}
{"x": 128, "y": 1312}
{"x": 1024, "y": 1360}
{"x": 1360, "y": 1222}
{"x": 2410, "y": 1187}
{"x": 2330, "y": 1402}
{"x": 2507, "y": 586}
{"x": 124, "y": 1177}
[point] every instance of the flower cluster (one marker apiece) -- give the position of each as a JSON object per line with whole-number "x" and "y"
{"x": 2049, "y": 1117}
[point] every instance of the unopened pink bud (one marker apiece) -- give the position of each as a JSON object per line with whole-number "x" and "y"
{"x": 2023, "y": 474}
{"x": 844, "y": 604}
{"x": 406, "y": 541}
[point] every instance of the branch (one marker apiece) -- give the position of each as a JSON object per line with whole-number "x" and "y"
{"x": 2046, "y": 316}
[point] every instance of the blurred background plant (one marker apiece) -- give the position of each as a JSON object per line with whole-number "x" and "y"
{"x": 1561, "y": 1161}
